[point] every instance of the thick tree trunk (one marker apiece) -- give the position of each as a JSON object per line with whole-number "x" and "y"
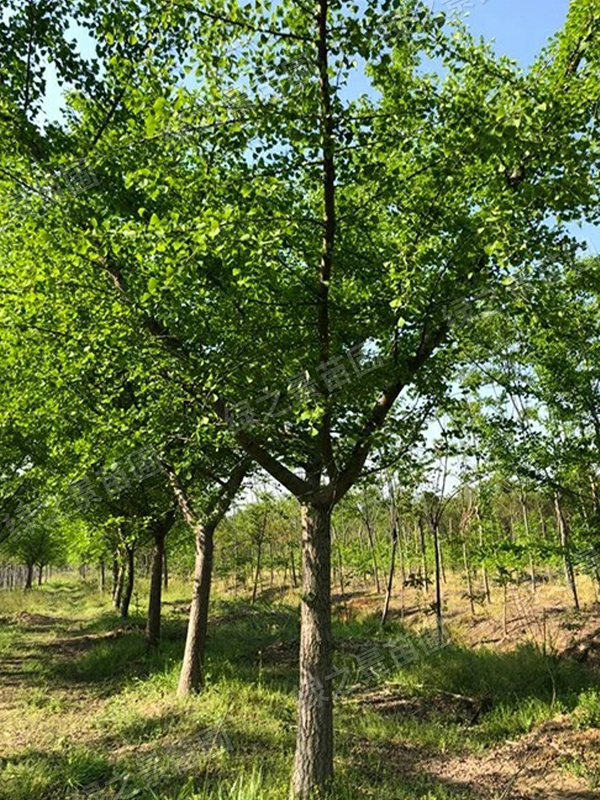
{"x": 154, "y": 602}
{"x": 128, "y": 584}
{"x": 313, "y": 766}
{"x": 191, "y": 678}
{"x": 29, "y": 578}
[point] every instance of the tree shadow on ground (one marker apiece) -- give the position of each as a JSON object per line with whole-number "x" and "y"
{"x": 191, "y": 765}
{"x": 109, "y": 655}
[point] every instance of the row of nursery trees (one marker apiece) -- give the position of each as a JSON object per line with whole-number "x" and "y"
{"x": 218, "y": 261}
{"x": 385, "y": 540}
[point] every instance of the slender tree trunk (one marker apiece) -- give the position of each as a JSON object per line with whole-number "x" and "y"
{"x": 257, "y": 571}
{"x": 128, "y": 584}
{"x": 341, "y": 573}
{"x": 597, "y": 577}
{"x": 119, "y": 586}
{"x": 271, "y": 568}
{"x": 468, "y": 576}
{"x": 525, "y": 514}
{"x": 390, "y": 582}
{"x": 293, "y": 567}
{"x": 563, "y": 530}
{"x": 403, "y": 578}
{"x": 165, "y": 570}
{"x": 102, "y": 576}
{"x": 40, "y": 574}
{"x": 486, "y": 580}
{"x": 594, "y": 494}
{"x": 373, "y": 554}
{"x": 313, "y": 766}
{"x": 115, "y": 575}
{"x": 532, "y": 573}
{"x": 438, "y": 584}
{"x": 424, "y": 575}
{"x": 441, "y": 549}
{"x": 542, "y": 518}
{"x": 154, "y": 601}
{"x": 236, "y": 575}
{"x": 191, "y": 678}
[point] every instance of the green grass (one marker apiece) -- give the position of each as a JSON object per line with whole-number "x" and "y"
{"x": 516, "y": 690}
{"x": 101, "y": 713}
{"x": 48, "y": 775}
{"x": 587, "y": 713}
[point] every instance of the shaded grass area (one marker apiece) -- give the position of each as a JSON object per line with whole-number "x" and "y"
{"x": 101, "y": 718}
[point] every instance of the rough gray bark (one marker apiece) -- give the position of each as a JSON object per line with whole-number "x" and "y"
{"x": 313, "y": 765}
{"x": 155, "y": 598}
{"x": 191, "y": 678}
{"x": 29, "y": 578}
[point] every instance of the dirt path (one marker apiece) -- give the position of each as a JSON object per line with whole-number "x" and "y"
{"x": 35, "y": 709}
{"x": 539, "y": 766}
{"x": 41, "y": 704}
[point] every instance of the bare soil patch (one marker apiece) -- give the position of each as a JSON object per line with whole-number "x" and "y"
{"x": 534, "y": 767}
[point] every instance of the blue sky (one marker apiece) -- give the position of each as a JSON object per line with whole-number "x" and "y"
{"x": 520, "y": 27}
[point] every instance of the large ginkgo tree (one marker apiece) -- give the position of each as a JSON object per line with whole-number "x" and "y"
{"x": 291, "y": 201}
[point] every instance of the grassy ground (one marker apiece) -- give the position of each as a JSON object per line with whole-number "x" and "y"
{"x": 86, "y": 712}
